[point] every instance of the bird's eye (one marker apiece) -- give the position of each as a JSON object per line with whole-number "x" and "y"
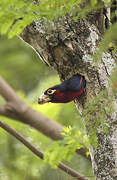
{"x": 51, "y": 91}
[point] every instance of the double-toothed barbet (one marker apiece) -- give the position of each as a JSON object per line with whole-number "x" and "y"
{"x": 65, "y": 92}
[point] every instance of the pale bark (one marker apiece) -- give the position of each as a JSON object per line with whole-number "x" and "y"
{"x": 68, "y": 46}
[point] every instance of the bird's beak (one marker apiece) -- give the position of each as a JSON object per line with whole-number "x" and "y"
{"x": 43, "y": 99}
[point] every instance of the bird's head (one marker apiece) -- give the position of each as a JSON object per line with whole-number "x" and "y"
{"x": 53, "y": 95}
{"x": 65, "y": 92}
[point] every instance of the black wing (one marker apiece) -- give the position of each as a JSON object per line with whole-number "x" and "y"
{"x": 75, "y": 83}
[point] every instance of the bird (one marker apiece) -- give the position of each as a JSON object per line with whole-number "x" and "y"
{"x": 64, "y": 92}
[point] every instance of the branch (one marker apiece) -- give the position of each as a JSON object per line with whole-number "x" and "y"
{"x": 16, "y": 109}
{"x": 38, "y": 153}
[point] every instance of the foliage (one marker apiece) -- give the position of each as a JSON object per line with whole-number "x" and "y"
{"x": 16, "y": 15}
{"x": 65, "y": 149}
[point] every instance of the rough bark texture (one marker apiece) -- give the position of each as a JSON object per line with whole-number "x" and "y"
{"x": 68, "y": 46}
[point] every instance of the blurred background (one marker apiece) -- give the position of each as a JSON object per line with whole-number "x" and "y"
{"x": 29, "y": 77}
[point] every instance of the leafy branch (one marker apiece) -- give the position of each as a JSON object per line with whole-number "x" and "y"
{"x": 38, "y": 153}
{"x": 73, "y": 139}
{"x": 16, "y": 15}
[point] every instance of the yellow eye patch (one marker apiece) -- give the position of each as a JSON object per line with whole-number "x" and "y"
{"x": 51, "y": 91}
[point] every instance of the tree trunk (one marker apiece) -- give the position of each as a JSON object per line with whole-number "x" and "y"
{"x": 68, "y": 46}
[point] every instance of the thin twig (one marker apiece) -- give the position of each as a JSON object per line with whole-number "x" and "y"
{"x": 37, "y": 152}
